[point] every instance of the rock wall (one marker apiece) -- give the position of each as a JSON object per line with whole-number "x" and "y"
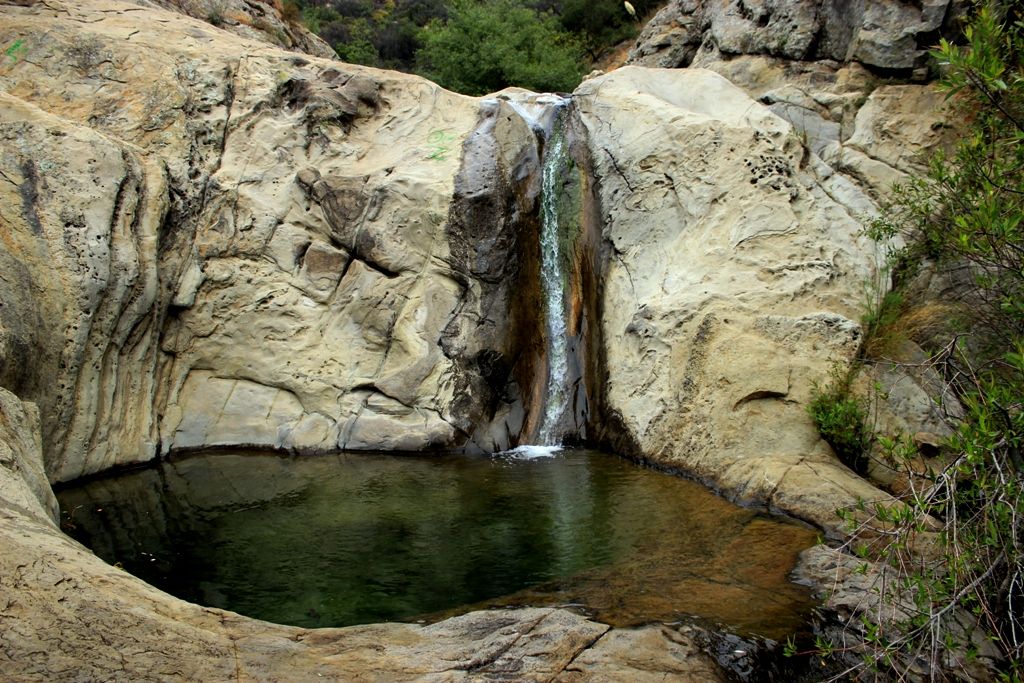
{"x": 214, "y": 242}
{"x": 893, "y": 35}
{"x": 219, "y": 243}
{"x": 772, "y": 271}
{"x": 731, "y": 283}
{"x": 850, "y": 77}
{"x": 81, "y": 314}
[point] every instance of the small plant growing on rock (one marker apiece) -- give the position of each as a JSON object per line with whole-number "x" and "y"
{"x": 841, "y": 418}
{"x": 215, "y": 15}
{"x": 291, "y": 11}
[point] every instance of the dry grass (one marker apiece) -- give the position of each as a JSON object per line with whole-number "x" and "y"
{"x": 922, "y": 324}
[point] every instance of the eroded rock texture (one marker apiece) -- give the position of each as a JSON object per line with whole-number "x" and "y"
{"x": 731, "y": 283}
{"x": 886, "y": 34}
{"x": 81, "y": 314}
{"x": 213, "y": 242}
{"x": 841, "y": 136}
{"x": 825, "y": 67}
{"x": 206, "y": 240}
{"x": 270, "y": 21}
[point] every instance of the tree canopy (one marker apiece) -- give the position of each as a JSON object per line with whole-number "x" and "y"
{"x": 476, "y": 46}
{"x": 487, "y": 46}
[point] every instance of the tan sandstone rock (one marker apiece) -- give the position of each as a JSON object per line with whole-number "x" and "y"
{"x": 266, "y": 20}
{"x": 732, "y": 283}
{"x": 302, "y": 237}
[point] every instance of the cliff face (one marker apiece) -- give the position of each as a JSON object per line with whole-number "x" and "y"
{"x": 207, "y": 240}
{"x": 215, "y": 242}
{"x": 850, "y": 77}
{"x": 714, "y": 338}
{"x": 893, "y": 35}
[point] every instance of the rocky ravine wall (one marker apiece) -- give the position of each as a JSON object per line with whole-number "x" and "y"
{"x": 889, "y": 35}
{"x": 213, "y": 242}
{"x": 208, "y": 241}
{"x": 714, "y": 341}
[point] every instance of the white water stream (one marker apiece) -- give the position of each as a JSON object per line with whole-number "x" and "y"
{"x": 553, "y": 284}
{"x": 544, "y": 114}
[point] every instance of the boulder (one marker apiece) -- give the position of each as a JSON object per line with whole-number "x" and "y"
{"x": 731, "y": 284}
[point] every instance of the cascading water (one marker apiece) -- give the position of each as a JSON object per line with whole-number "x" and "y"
{"x": 553, "y": 284}
{"x": 546, "y": 115}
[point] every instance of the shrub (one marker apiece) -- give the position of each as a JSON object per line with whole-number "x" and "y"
{"x": 841, "y": 418}
{"x": 601, "y": 23}
{"x": 961, "y": 600}
{"x": 970, "y": 208}
{"x": 490, "y": 45}
{"x": 357, "y": 46}
{"x": 291, "y": 12}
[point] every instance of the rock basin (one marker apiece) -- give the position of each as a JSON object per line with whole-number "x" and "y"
{"x": 359, "y": 538}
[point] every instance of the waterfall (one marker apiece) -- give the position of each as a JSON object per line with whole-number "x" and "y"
{"x": 545, "y": 115}
{"x": 553, "y": 284}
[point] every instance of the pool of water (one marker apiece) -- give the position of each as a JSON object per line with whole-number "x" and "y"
{"x": 358, "y": 538}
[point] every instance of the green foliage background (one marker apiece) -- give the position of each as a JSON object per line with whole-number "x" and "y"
{"x": 476, "y": 46}
{"x": 487, "y": 46}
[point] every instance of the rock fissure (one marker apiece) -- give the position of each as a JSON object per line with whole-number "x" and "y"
{"x": 591, "y": 644}
{"x": 619, "y": 171}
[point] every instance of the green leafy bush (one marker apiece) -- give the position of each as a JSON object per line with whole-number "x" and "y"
{"x": 841, "y": 418}
{"x": 598, "y": 23}
{"x": 358, "y": 47}
{"x": 970, "y": 208}
{"x": 486, "y": 46}
{"x": 475, "y": 46}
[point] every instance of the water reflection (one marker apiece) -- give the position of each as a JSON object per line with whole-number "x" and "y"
{"x": 347, "y": 539}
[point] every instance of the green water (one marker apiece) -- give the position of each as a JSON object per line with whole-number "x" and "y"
{"x": 357, "y": 538}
